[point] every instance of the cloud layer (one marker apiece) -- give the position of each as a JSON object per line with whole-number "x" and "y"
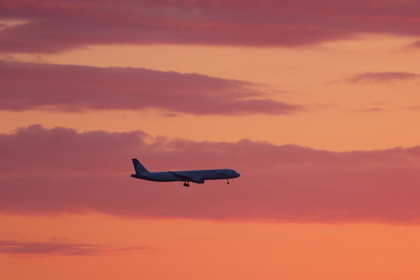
{"x": 59, "y": 170}
{"x": 55, "y": 248}
{"x": 33, "y": 26}
{"x": 27, "y": 86}
{"x": 380, "y": 77}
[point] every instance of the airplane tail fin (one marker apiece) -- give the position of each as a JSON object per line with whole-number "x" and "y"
{"x": 138, "y": 167}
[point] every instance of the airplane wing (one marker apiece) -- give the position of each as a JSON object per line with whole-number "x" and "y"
{"x": 184, "y": 177}
{"x": 181, "y": 176}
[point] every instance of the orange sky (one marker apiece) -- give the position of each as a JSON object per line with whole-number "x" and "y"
{"x": 377, "y": 111}
{"x": 180, "y": 249}
{"x": 317, "y": 110}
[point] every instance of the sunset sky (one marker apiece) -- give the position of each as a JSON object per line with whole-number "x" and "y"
{"x": 315, "y": 103}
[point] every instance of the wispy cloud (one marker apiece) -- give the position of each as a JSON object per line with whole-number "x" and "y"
{"x": 27, "y": 86}
{"x": 45, "y": 171}
{"x": 381, "y": 77}
{"x": 59, "y": 26}
{"x": 37, "y": 249}
{"x": 416, "y": 44}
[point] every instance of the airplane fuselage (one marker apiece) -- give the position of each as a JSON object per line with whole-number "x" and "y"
{"x": 196, "y": 176}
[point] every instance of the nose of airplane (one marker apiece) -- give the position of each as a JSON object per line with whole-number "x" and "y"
{"x": 236, "y": 174}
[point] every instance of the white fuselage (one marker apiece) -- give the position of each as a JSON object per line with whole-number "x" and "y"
{"x": 196, "y": 176}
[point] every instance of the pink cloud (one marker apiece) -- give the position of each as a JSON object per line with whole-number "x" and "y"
{"x": 416, "y": 44}
{"x": 27, "y": 86}
{"x": 380, "y": 77}
{"x": 56, "y": 26}
{"x": 47, "y": 171}
{"x": 56, "y": 248}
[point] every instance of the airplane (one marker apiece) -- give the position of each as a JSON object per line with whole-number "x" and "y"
{"x": 195, "y": 176}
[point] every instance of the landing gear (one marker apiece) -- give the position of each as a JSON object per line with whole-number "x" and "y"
{"x": 227, "y": 181}
{"x": 186, "y": 184}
